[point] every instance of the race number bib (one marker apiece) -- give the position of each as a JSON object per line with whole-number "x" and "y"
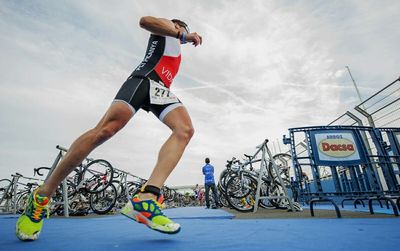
{"x": 161, "y": 95}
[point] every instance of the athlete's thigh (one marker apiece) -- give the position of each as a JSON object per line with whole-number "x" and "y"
{"x": 129, "y": 99}
{"x": 116, "y": 117}
{"x": 174, "y": 114}
{"x": 177, "y": 117}
{"x": 134, "y": 93}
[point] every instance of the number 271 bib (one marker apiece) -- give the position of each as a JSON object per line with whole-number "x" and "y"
{"x": 161, "y": 95}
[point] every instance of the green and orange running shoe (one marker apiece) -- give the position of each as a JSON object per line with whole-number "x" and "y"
{"x": 148, "y": 212}
{"x": 30, "y": 223}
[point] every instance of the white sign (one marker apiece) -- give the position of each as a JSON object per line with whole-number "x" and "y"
{"x": 336, "y": 147}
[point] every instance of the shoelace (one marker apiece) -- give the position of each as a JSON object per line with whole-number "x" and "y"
{"x": 37, "y": 213}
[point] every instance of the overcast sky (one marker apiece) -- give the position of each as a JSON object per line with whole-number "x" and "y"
{"x": 264, "y": 67}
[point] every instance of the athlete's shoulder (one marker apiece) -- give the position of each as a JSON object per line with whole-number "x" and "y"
{"x": 149, "y": 21}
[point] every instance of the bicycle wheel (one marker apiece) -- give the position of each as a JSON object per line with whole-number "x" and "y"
{"x": 280, "y": 203}
{"x": 79, "y": 205}
{"x": 104, "y": 201}
{"x": 21, "y": 201}
{"x": 98, "y": 175}
{"x": 222, "y": 197}
{"x": 4, "y": 184}
{"x": 224, "y": 177}
{"x": 168, "y": 194}
{"x": 134, "y": 188}
{"x": 265, "y": 191}
{"x": 56, "y": 201}
{"x": 241, "y": 192}
{"x": 282, "y": 161}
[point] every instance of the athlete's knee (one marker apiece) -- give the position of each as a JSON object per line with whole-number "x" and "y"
{"x": 184, "y": 132}
{"x": 103, "y": 134}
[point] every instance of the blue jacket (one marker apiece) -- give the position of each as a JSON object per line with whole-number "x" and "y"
{"x": 208, "y": 171}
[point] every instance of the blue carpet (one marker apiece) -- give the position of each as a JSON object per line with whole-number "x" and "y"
{"x": 197, "y": 213}
{"x": 120, "y": 233}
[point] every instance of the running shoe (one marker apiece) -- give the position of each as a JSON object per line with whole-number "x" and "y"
{"x": 148, "y": 212}
{"x": 30, "y": 223}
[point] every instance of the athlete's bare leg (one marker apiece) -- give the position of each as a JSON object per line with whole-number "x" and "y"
{"x": 116, "y": 117}
{"x": 178, "y": 120}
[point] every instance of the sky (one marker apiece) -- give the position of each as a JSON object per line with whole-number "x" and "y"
{"x": 264, "y": 67}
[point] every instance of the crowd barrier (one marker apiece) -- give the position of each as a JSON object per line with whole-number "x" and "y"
{"x": 346, "y": 163}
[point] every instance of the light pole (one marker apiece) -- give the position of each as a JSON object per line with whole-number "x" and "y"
{"x": 355, "y": 86}
{"x": 362, "y": 110}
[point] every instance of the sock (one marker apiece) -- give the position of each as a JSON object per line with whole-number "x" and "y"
{"x": 151, "y": 189}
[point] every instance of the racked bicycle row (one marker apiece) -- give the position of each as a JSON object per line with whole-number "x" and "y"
{"x": 94, "y": 186}
{"x": 257, "y": 180}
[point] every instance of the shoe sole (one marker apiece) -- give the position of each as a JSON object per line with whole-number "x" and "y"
{"x": 129, "y": 212}
{"x": 23, "y": 237}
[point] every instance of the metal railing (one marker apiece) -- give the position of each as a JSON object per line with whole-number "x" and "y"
{"x": 382, "y": 109}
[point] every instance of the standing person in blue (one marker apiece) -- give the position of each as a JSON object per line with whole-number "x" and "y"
{"x": 208, "y": 171}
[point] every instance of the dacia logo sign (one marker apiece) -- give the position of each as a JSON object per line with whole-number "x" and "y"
{"x": 336, "y": 146}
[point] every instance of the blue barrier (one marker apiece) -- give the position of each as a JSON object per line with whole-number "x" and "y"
{"x": 362, "y": 162}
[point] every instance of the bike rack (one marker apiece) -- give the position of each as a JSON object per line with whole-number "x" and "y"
{"x": 125, "y": 180}
{"x": 313, "y": 201}
{"x": 388, "y": 200}
{"x": 11, "y": 200}
{"x": 359, "y": 200}
{"x": 64, "y": 182}
{"x": 263, "y": 148}
{"x": 13, "y": 186}
{"x": 14, "y": 189}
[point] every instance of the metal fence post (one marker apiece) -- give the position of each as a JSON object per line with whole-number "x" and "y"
{"x": 367, "y": 115}
{"x": 65, "y": 198}
{"x": 16, "y": 177}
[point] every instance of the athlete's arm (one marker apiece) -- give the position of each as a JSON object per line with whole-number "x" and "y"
{"x": 159, "y": 26}
{"x": 165, "y": 27}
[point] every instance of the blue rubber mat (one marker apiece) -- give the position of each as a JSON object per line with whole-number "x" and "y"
{"x": 197, "y": 213}
{"x": 120, "y": 233}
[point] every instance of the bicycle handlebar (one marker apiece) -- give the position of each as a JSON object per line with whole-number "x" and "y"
{"x": 116, "y": 174}
{"x": 37, "y": 170}
{"x": 61, "y": 148}
{"x": 17, "y": 175}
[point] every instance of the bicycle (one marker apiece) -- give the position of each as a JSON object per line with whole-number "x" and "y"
{"x": 12, "y": 196}
{"x": 89, "y": 187}
{"x": 241, "y": 180}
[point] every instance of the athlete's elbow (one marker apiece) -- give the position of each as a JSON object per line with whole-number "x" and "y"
{"x": 144, "y": 21}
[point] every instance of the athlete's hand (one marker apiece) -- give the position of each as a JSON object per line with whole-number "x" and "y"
{"x": 194, "y": 38}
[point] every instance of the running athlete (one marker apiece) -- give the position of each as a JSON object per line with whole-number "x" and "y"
{"x": 146, "y": 88}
